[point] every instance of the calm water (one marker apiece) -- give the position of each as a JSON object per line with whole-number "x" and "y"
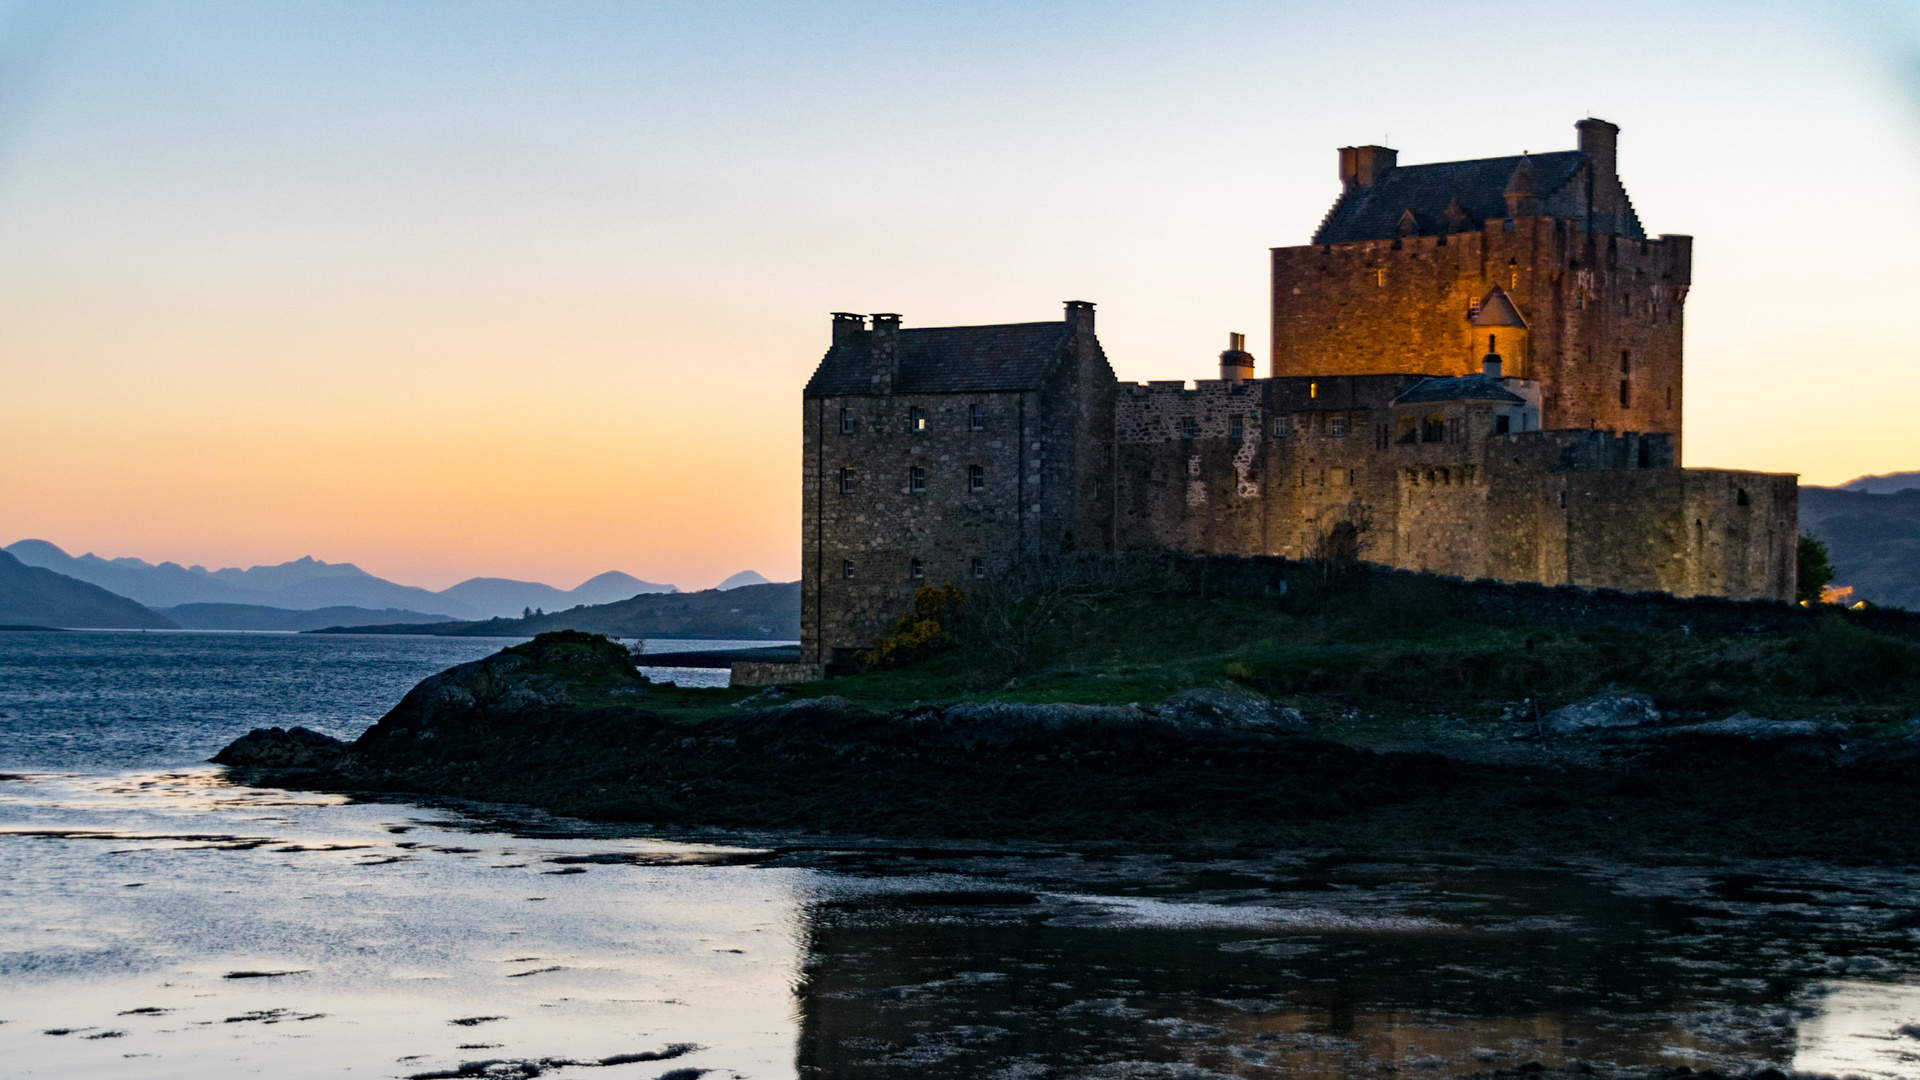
{"x": 158, "y": 921}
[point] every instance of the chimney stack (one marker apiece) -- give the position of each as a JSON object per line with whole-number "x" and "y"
{"x": 886, "y": 351}
{"x": 1080, "y": 316}
{"x": 1490, "y": 363}
{"x": 1599, "y": 140}
{"x": 1363, "y": 166}
{"x": 1236, "y": 364}
{"x": 845, "y": 325}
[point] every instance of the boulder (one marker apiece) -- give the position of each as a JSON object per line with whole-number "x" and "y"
{"x": 281, "y": 748}
{"x": 1222, "y": 708}
{"x": 1602, "y": 712}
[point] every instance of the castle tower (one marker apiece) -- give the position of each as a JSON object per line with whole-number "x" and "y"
{"x": 1412, "y": 262}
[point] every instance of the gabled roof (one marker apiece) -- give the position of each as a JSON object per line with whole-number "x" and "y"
{"x": 1460, "y": 388}
{"x": 1447, "y": 196}
{"x": 949, "y": 360}
{"x": 1498, "y": 310}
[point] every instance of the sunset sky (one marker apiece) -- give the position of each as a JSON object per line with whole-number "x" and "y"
{"x": 530, "y": 290}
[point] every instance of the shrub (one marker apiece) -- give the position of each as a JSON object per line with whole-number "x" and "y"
{"x": 919, "y": 633}
{"x": 1815, "y": 570}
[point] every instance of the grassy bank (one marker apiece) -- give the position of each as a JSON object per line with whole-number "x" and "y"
{"x": 1368, "y": 670}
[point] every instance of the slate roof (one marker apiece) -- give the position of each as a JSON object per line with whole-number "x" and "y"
{"x": 1460, "y": 388}
{"x": 949, "y": 360}
{"x": 1447, "y": 196}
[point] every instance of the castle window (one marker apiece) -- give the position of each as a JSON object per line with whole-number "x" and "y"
{"x": 1434, "y": 430}
{"x": 1337, "y": 426}
{"x": 976, "y": 478}
{"x": 917, "y": 480}
{"x": 846, "y": 481}
{"x": 1236, "y": 427}
{"x": 1513, "y": 274}
{"x": 1507, "y": 225}
{"x": 1580, "y": 299}
{"x": 1740, "y": 497}
{"x": 1502, "y": 424}
{"x": 1626, "y": 395}
{"x": 1626, "y": 305}
{"x": 1313, "y": 389}
{"x": 979, "y": 567}
{"x": 846, "y": 421}
{"x": 1626, "y": 361}
{"x": 976, "y": 418}
{"x": 1563, "y": 500}
{"x": 916, "y": 569}
{"x": 1189, "y": 428}
{"x": 1279, "y": 427}
{"x": 916, "y": 419}
{"x": 846, "y": 569}
{"x": 1473, "y": 308}
{"x": 1380, "y": 276}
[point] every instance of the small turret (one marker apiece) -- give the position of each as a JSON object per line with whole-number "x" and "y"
{"x": 1236, "y": 364}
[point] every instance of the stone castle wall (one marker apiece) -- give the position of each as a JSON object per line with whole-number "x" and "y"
{"x": 1381, "y": 306}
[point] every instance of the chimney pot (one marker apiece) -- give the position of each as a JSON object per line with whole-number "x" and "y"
{"x": 1490, "y": 363}
{"x": 845, "y": 325}
{"x": 1236, "y": 364}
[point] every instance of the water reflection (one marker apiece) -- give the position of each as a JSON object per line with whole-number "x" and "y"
{"x": 168, "y": 924}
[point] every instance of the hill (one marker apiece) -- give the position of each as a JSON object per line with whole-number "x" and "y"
{"x": 257, "y": 617}
{"x": 1883, "y": 483}
{"x": 35, "y": 596}
{"x": 1872, "y": 539}
{"x": 750, "y": 612}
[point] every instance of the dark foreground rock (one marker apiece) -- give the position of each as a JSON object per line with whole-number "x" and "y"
{"x": 564, "y": 723}
{"x": 282, "y": 748}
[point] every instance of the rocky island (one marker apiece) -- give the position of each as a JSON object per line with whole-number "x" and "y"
{"x": 1389, "y": 712}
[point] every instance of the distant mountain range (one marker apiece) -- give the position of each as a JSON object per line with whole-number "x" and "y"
{"x": 307, "y": 584}
{"x": 31, "y": 596}
{"x": 256, "y": 617}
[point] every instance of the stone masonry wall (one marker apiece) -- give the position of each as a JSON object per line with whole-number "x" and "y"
{"x": 1383, "y": 306}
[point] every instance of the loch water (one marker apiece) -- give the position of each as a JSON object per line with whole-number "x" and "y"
{"x": 158, "y": 920}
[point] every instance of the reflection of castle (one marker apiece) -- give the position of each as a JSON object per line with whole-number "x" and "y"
{"x": 1476, "y": 370}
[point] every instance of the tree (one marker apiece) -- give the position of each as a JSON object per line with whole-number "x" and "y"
{"x": 1005, "y": 616}
{"x": 1815, "y": 571}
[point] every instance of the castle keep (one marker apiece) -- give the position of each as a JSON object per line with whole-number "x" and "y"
{"x": 1475, "y": 370}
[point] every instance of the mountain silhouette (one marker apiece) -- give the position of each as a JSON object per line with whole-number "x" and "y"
{"x": 34, "y": 596}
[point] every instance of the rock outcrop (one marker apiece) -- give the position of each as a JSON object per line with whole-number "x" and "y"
{"x": 282, "y": 748}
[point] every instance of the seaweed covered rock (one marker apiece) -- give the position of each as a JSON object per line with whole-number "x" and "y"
{"x": 281, "y": 748}
{"x": 1603, "y": 711}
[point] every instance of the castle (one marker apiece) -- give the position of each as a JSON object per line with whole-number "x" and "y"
{"x": 1475, "y": 370}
